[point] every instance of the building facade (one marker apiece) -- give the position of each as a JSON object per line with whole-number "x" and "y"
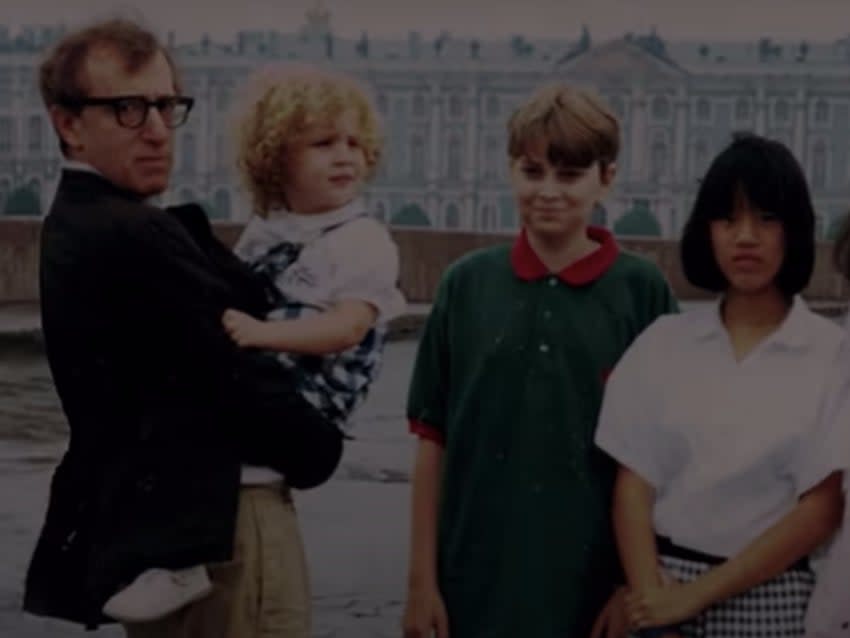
{"x": 445, "y": 103}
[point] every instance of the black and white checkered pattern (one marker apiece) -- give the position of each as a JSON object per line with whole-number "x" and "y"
{"x": 334, "y": 384}
{"x": 775, "y": 609}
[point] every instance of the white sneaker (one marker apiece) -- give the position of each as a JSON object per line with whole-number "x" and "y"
{"x": 158, "y": 592}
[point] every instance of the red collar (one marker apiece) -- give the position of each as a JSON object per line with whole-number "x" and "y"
{"x": 527, "y": 264}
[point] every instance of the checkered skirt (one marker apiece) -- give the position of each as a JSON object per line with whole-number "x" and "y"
{"x": 775, "y": 609}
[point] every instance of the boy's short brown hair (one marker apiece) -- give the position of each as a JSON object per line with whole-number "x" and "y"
{"x": 278, "y": 104}
{"x": 575, "y": 125}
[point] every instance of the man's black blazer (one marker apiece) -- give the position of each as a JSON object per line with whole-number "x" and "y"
{"x": 162, "y": 407}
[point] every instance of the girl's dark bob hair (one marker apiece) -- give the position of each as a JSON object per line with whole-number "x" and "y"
{"x": 773, "y": 181}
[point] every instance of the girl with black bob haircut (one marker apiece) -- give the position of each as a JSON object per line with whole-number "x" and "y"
{"x": 773, "y": 182}
{"x": 714, "y": 417}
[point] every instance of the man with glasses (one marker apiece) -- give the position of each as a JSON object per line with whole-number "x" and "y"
{"x": 163, "y": 409}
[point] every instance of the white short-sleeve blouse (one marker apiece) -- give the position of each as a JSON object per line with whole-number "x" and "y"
{"x": 728, "y": 446}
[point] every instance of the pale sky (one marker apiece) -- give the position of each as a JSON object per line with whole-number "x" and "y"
{"x": 815, "y": 20}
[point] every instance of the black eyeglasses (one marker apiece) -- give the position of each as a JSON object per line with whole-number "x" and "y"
{"x": 131, "y": 111}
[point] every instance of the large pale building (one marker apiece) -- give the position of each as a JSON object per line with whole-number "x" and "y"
{"x": 446, "y": 100}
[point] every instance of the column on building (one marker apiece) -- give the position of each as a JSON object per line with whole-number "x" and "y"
{"x": 19, "y": 128}
{"x": 205, "y": 139}
{"x": 663, "y": 210}
{"x": 434, "y": 156}
{"x": 638, "y": 135}
{"x": 761, "y": 109}
{"x": 800, "y": 126}
{"x": 470, "y": 171}
{"x": 680, "y": 145}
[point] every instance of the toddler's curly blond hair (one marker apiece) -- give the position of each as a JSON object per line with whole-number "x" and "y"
{"x": 278, "y": 105}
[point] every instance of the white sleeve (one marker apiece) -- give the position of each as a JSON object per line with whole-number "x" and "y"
{"x": 827, "y": 448}
{"x": 368, "y": 268}
{"x": 627, "y": 427}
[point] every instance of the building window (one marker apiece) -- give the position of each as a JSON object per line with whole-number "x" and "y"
{"x": 221, "y": 156}
{"x": 418, "y": 105}
{"x": 493, "y": 106}
{"x": 4, "y": 194}
{"x": 507, "y": 211}
{"x": 781, "y": 111}
{"x": 188, "y": 153}
{"x": 456, "y": 106}
{"x": 221, "y": 203}
{"x": 452, "y": 217}
{"x": 5, "y": 134}
{"x": 33, "y": 94}
{"x": 821, "y": 112}
{"x": 700, "y": 161}
{"x": 742, "y": 109}
{"x": 417, "y": 157}
{"x": 658, "y": 160}
{"x": 454, "y": 166}
{"x": 660, "y": 108}
{"x": 487, "y": 220}
{"x": 400, "y": 107}
{"x": 381, "y": 212}
{"x": 819, "y": 165}
{"x": 493, "y": 158}
{"x": 382, "y": 104}
{"x": 703, "y": 110}
{"x": 222, "y": 98}
{"x": 34, "y": 133}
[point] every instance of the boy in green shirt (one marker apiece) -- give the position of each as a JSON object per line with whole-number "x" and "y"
{"x": 511, "y": 525}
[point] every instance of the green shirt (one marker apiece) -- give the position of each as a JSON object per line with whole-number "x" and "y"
{"x": 509, "y": 378}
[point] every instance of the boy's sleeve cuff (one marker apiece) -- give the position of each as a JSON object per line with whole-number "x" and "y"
{"x": 425, "y": 431}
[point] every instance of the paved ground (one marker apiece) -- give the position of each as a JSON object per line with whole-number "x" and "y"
{"x": 355, "y": 527}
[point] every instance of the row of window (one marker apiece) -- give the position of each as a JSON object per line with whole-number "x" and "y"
{"x": 456, "y": 106}
{"x": 492, "y": 165}
{"x": 661, "y": 109}
{"x": 488, "y": 218}
{"x": 493, "y": 160}
{"x": 34, "y": 131}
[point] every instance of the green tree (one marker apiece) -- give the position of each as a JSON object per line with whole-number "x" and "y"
{"x": 23, "y": 201}
{"x": 410, "y": 215}
{"x": 639, "y": 221}
{"x": 835, "y": 227}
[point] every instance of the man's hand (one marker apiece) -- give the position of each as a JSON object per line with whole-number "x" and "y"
{"x": 246, "y": 331}
{"x": 425, "y": 613}
{"x": 612, "y": 621}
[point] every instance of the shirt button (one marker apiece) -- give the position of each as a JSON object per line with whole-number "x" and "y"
{"x": 547, "y": 314}
{"x": 553, "y": 281}
{"x": 544, "y": 347}
{"x": 537, "y": 488}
